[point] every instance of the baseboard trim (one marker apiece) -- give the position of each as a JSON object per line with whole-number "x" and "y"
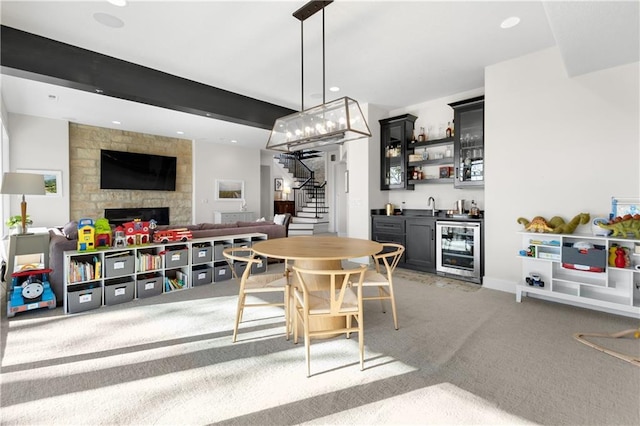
{"x": 499, "y": 284}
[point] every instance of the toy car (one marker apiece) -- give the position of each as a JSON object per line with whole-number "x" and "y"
{"x": 534, "y": 280}
{"x": 29, "y": 290}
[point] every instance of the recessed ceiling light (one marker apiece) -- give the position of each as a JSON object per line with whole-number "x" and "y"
{"x": 334, "y": 89}
{"x": 116, "y": 122}
{"x": 108, "y": 20}
{"x": 510, "y": 22}
{"x": 119, "y": 3}
{"x": 234, "y": 141}
{"x": 180, "y": 132}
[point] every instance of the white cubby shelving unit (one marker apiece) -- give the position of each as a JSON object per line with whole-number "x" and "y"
{"x": 572, "y": 275}
{"x": 116, "y": 275}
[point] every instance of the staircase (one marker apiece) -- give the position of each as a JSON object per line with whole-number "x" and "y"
{"x": 311, "y": 211}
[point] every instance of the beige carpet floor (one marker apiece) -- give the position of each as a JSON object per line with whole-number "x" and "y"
{"x": 463, "y": 355}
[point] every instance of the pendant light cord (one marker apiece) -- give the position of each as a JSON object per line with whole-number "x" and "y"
{"x": 302, "y": 63}
{"x": 323, "y": 64}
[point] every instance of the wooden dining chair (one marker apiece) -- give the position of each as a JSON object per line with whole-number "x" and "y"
{"x": 243, "y": 259}
{"x": 381, "y": 278}
{"x": 341, "y": 298}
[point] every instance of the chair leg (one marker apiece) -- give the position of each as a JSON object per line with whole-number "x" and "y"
{"x": 348, "y": 321}
{"x": 393, "y": 307}
{"x": 307, "y": 346}
{"x": 361, "y": 340}
{"x": 238, "y": 316}
{"x": 287, "y": 312}
{"x": 381, "y": 295}
{"x": 393, "y": 311}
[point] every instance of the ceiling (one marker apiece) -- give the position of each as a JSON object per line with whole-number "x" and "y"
{"x": 388, "y": 53}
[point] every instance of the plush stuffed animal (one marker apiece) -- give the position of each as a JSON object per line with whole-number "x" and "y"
{"x": 556, "y": 225}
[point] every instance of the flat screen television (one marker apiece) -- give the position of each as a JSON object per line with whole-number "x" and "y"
{"x": 130, "y": 170}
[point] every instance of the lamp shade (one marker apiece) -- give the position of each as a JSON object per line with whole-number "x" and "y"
{"x": 331, "y": 123}
{"x": 22, "y": 184}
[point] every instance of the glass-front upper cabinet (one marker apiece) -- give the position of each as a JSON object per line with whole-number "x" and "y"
{"x": 395, "y": 133}
{"x": 469, "y": 142}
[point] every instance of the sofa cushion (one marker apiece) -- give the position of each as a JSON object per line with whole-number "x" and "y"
{"x": 242, "y": 224}
{"x": 217, "y": 225}
{"x": 70, "y": 230}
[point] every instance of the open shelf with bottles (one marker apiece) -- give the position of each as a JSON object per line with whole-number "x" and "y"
{"x": 580, "y": 270}
{"x": 430, "y": 162}
{"x": 110, "y": 276}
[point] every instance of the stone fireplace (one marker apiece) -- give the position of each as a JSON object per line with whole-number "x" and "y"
{"x": 120, "y": 216}
{"x": 87, "y": 200}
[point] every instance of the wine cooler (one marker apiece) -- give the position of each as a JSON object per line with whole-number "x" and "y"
{"x": 458, "y": 250}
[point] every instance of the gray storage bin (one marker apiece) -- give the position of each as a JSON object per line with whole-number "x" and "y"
{"x": 149, "y": 286}
{"x": 201, "y": 255}
{"x": 176, "y": 258}
{"x": 84, "y": 299}
{"x": 118, "y": 292}
{"x": 590, "y": 258}
{"x": 222, "y": 273}
{"x": 118, "y": 266}
{"x": 218, "y": 248}
{"x": 258, "y": 268}
{"x": 202, "y": 275}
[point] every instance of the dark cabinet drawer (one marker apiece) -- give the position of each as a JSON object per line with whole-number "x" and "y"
{"x": 387, "y": 225}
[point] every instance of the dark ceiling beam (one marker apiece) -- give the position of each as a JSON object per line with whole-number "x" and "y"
{"x": 33, "y": 57}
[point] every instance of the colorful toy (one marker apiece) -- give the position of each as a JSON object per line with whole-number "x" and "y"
{"x": 119, "y": 239}
{"x": 103, "y": 233}
{"x": 556, "y": 225}
{"x": 622, "y": 258}
{"x": 30, "y": 290}
{"x": 623, "y": 226}
{"x": 534, "y": 280}
{"x": 137, "y": 232}
{"x": 178, "y": 234}
{"x": 86, "y": 235}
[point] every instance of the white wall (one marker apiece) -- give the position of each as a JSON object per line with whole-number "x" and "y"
{"x": 216, "y": 161}
{"x": 40, "y": 144}
{"x": 554, "y": 146}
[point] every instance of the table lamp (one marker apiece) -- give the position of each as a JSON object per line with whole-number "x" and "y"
{"x": 23, "y": 184}
{"x": 286, "y": 191}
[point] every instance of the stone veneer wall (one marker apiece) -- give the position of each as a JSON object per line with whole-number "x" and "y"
{"x": 87, "y": 200}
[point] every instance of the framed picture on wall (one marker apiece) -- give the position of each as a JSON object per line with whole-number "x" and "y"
{"x": 278, "y": 184}
{"x": 52, "y": 180}
{"x": 229, "y": 190}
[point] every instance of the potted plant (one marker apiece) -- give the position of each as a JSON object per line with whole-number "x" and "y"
{"x": 15, "y": 224}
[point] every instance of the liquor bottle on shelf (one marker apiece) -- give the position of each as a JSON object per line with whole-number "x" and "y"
{"x": 413, "y": 136}
{"x": 422, "y": 136}
{"x": 449, "y": 130}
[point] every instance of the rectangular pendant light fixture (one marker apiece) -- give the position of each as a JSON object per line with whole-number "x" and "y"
{"x": 330, "y": 123}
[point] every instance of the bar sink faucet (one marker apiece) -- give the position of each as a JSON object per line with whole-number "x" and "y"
{"x": 431, "y": 204}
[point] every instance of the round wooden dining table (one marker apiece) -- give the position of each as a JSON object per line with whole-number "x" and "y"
{"x": 318, "y": 253}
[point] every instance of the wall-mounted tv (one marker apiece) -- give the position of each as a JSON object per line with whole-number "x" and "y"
{"x": 130, "y": 170}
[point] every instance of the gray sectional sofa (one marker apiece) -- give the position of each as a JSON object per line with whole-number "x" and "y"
{"x": 66, "y": 239}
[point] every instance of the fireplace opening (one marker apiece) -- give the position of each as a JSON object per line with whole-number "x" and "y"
{"x": 119, "y": 216}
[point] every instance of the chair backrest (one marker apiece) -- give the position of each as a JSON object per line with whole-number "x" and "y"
{"x": 340, "y": 282}
{"x": 388, "y": 258}
{"x": 233, "y": 255}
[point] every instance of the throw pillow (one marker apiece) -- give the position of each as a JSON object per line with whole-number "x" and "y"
{"x": 70, "y": 230}
{"x": 262, "y": 219}
{"x": 279, "y": 219}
